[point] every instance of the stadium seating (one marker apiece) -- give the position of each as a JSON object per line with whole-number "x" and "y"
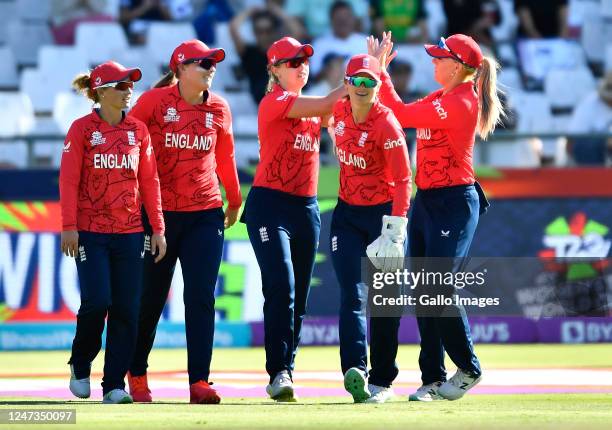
{"x": 422, "y": 75}
{"x": 163, "y": 37}
{"x": 17, "y": 114}
{"x": 69, "y": 106}
{"x": 33, "y": 10}
{"x": 8, "y": 69}
{"x": 25, "y": 38}
{"x": 564, "y": 96}
{"x": 100, "y": 41}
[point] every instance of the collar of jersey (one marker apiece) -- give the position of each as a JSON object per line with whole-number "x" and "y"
{"x": 176, "y": 91}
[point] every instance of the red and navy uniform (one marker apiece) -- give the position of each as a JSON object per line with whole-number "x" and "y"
{"x": 283, "y": 222}
{"x": 445, "y": 212}
{"x": 375, "y": 180}
{"x": 289, "y": 147}
{"x": 105, "y": 172}
{"x": 193, "y": 144}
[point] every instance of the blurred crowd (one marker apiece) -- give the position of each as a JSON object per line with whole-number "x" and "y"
{"x": 337, "y": 30}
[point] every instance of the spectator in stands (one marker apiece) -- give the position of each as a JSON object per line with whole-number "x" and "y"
{"x": 542, "y": 19}
{"x": 67, "y": 14}
{"x": 136, "y": 15}
{"x": 331, "y": 76}
{"x": 315, "y": 18}
{"x": 343, "y": 38}
{"x": 212, "y": 11}
{"x": 475, "y": 18}
{"x": 267, "y": 24}
{"x": 593, "y": 115}
{"x": 406, "y": 19}
{"x": 401, "y": 75}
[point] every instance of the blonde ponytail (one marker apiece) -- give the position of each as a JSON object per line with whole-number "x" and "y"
{"x": 272, "y": 80}
{"x": 490, "y": 109}
{"x": 81, "y": 83}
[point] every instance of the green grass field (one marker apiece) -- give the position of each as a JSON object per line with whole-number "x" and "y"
{"x": 481, "y": 411}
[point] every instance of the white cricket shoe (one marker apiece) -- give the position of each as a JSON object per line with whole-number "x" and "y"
{"x": 427, "y": 393}
{"x": 356, "y": 383}
{"x": 81, "y": 388}
{"x": 458, "y": 385}
{"x": 379, "y": 394}
{"x": 281, "y": 388}
{"x": 117, "y": 396}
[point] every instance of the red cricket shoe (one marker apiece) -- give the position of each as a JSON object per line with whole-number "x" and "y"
{"x": 202, "y": 393}
{"x": 139, "y": 388}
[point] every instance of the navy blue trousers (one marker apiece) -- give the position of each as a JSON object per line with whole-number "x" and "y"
{"x": 442, "y": 224}
{"x": 196, "y": 239}
{"x": 353, "y": 228}
{"x": 110, "y": 278}
{"x": 284, "y": 232}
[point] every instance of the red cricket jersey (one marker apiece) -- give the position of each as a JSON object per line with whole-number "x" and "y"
{"x": 374, "y": 162}
{"x": 446, "y": 129}
{"x": 105, "y": 169}
{"x": 193, "y": 144}
{"x": 288, "y": 147}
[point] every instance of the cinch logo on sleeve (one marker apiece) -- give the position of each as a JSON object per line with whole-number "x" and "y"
{"x": 67, "y": 146}
{"x": 438, "y": 106}
{"x": 131, "y": 138}
{"x": 390, "y": 144}
{"x": 97, "y": 138}
{"x": 171, "y": 115}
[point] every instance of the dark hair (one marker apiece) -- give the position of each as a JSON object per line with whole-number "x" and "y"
{"x": 81, "y": 83}
{"x": 264, "y": 14}
{"x": 396, "y": 66}
{"x": 339, "y": 4}
{"x": 168, "y": 79}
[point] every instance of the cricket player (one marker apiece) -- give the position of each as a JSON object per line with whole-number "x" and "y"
{"x": 191, "y": 132}
{"x": 281, "y": 210}
{"x": 449, "y": 201}
{"x": 374, "y": 195}
{"x": 107, "y": 167}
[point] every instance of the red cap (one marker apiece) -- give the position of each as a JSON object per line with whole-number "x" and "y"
{"x": 363, "y": 63}
{"x": 286, "y": 49}
{"x": 458, "y": 47}
{"x": 111, "y": 72}
{"x": 194, "y": 50}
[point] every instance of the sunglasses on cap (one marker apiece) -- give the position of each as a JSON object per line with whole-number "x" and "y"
{"x": 119, "y": 86}
{"x": 294, "y": 63}
{"x": 358, "y": 81}
{"x": 442, "y": 45}
{"x": 206, "y": 63}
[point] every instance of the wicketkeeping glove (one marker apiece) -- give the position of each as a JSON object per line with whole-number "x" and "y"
{"x": 387, "y": 252}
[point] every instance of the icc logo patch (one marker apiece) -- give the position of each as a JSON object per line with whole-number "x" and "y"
{"x": 97, "y": 138}
{"x": 339, "y": 129}
{"x": 171, "y": 115}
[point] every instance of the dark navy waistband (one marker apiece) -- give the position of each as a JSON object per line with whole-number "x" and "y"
{"x": 283, "y": 196}
{"x": 365, "y": 208}
{"x": 446, "y": 191}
